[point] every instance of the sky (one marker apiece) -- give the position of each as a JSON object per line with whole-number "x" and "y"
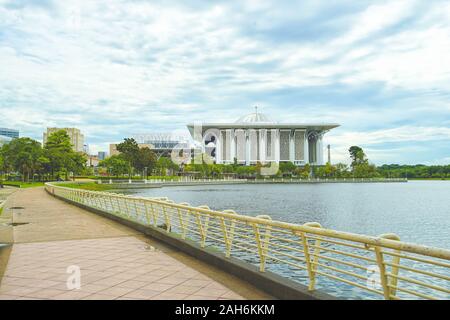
{"x": 381, "y": 69}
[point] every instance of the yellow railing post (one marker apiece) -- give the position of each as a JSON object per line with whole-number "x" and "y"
{"x": 311, "y": 264}
{"x": 155, "y": 214}
{"x": 136, "y": 208}
{"x": 119, "y": 207}
{"x": 127, "y": 211}
{"x": 382, "y": 270}
{"x": 203, "y": 228}
{"x": 391, "y": 282}
{"x": 307, "y": 260}
{"x": 228, "y": 233}
{"x": 167, "y": 218}
{"x": 262, "y": 244}
{"x": 148, "y": 213}
{"x": 183, "y": 224}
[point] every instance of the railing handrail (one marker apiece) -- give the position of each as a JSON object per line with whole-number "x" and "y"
{"x": 302, "y": 246}
{"x": 365, "y": 239}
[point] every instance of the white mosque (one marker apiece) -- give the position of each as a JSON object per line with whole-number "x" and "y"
{"x": 256, "y": 138}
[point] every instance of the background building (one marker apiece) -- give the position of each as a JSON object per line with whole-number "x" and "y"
{"x": 76, "y": 138}
{"x": 92, "y": 161}
{"x": 162, "y": 143}
{"x": 101, "y": 155}
{"x": 256, "y": 138}
{"x": 4, "y": 140}
{"x": 113, "y": 148}
{"x": 11, "y": 133}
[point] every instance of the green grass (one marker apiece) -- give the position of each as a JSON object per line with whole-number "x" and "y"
{"x": 21, "y": 184}
{"x": 92, "y": 186}
{"x": 126, "y": 177}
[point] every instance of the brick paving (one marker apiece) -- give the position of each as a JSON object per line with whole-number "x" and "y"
{"x": 115, "y": 262}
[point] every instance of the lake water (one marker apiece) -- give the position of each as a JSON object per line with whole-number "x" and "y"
{"x": 417, "y": 211}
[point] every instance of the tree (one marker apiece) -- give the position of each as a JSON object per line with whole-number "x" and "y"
{"x": 3, "y": 166}
{"x": 77, "y": 163}
{"x": 61, "y": 157}
{"x": 216, "y": 170}
{"x": 164, "y": 164}
{"x": 357, "y": 155}
{"x": 329, "y": 170}
{"x": 129, "y": 148}
{"x": 146, "y": 159}
{"x": 342, "y": 170}
{"x": 115, "y": 165}
{"x": 364, "y": 170}
{"x": 304, "y": 172}
{"x": 287, "y": 167}
{"x": 246, "y": 171}
{"x": 23, "y": 155}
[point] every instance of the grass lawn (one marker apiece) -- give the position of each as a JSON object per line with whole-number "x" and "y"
{"x": 21, "y": 184}
{"x": 87, "y": 186}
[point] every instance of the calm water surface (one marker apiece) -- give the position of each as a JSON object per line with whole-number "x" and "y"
{"x": 418, "y": 211}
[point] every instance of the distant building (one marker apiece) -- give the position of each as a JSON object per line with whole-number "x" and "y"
{"x": 92, "y": 161}
{"x": 76, "y": 138}
{"x": 162, "y": 143}
{"x": 11, "y": 133}
{"x": 101, "y": 155}
{"x": 4, "y": 140}
{"x": 114, "y": 152}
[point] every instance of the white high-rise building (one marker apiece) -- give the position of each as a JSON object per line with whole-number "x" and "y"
{"x": 76, "y": 138}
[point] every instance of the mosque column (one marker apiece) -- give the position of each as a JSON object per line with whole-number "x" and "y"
{"x": 291, "y": 146}
{"x": 319, "y": 149}
{"x": 306, "y": 148}
{"x": 277, "y": 145}
{"x": 232, "y": 146}
{"x": 262, "y": 145}
{"x": 219, "y": 148}
{"x": 248, "y": 149}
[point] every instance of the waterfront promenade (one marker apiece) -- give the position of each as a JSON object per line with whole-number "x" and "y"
{"x": 116, "y": 262}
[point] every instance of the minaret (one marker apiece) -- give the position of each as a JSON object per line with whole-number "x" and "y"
{"x": 329, "y": 154}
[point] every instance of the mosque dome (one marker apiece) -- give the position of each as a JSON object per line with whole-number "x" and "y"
{"x": 255, "y": 117}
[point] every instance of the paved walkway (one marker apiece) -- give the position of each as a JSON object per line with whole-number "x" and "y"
{"x": 115, "y": 262}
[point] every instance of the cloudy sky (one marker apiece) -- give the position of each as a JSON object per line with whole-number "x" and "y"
{"x": 114, "y": 68}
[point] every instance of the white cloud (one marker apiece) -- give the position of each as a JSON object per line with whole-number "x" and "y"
{"x": 112, "y": 68}
{"x": 371, "y": 139}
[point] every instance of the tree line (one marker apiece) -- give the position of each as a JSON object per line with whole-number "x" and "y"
{"x": 54, "y": 161}
{"x": 134, "y": 160}
{"x": 359, "y": 168}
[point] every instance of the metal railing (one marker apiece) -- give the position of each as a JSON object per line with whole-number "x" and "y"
{"x": 341, "y": 263}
